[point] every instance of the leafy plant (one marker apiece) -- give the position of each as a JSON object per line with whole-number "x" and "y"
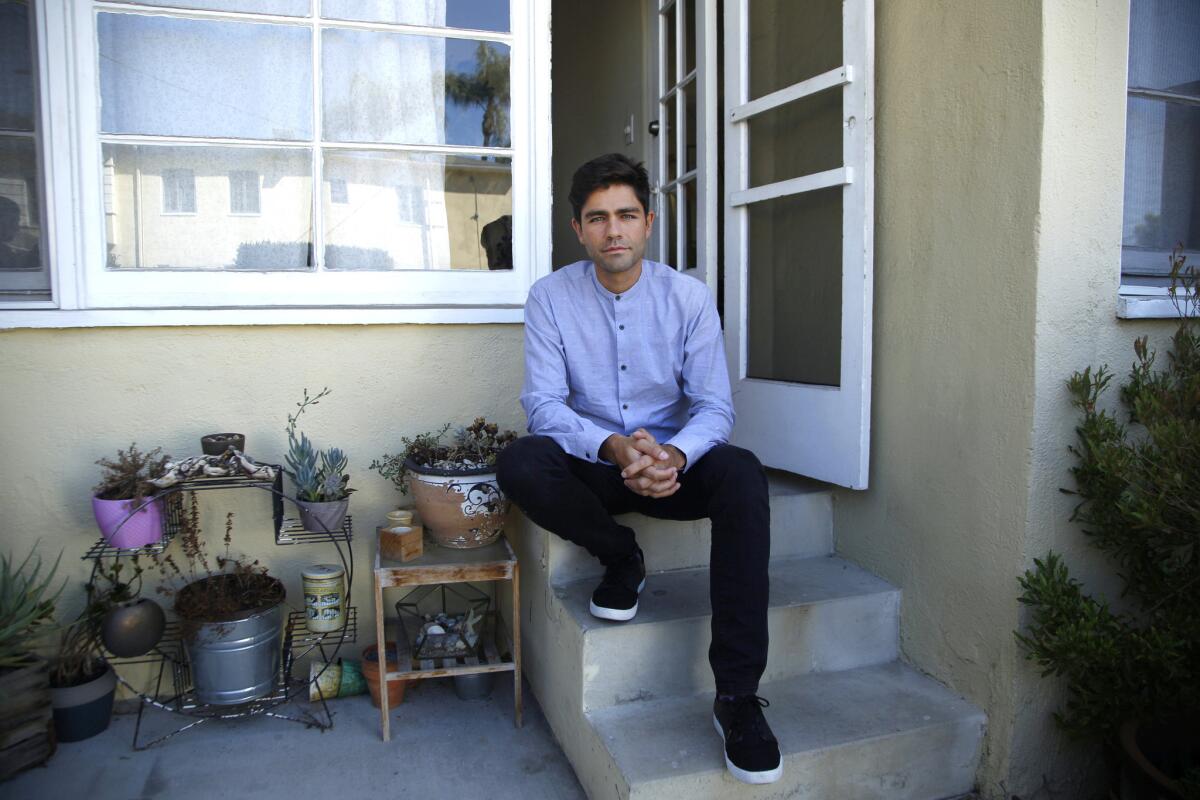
{"x": 129, "y": 476}
{"x": 473, "y": 447}
{"x": 1139, "y": 489}
{"x": 320, "y": 475}
{"x": 26, "y": 606}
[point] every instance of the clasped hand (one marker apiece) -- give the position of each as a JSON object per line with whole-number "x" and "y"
{"x": 649, "y": 469}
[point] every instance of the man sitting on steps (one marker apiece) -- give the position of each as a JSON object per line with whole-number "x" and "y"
{"x": 628, "y": 402}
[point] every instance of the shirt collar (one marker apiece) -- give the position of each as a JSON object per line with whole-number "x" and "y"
{"x": 631, "y": 292}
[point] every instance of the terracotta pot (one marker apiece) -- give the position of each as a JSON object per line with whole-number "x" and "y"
{"x": 461, "y": 509}
{"x": 1148, "y": 749}
{"x": 370, "y": 671}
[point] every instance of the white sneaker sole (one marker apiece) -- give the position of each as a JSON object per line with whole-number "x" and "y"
{"x": 767, "y": 776}
{"x": 617, "y": 614}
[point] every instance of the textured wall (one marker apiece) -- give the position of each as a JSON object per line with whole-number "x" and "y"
{"x": 958, "y": 152}
{"x": 73, "y": 396}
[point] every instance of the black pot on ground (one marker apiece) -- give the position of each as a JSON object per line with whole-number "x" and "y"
{"x": 84, "y": 710}
{"x": 1154, "y": 756}
{"x": 134, "y": 628}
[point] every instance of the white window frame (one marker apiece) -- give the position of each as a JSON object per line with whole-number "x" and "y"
{"x": 1135, "y": 301}
{"x": 86, "y": 293}
{"x": 170, "y": 180}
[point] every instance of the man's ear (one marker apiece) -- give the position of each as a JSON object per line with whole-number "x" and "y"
{"x": 578, "y": 229}
{"x": 649, "y": 222}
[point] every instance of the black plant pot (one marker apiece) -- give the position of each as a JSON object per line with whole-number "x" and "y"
{"x": 82, "y": 711}
{"x": 134, "y": 628}
{"x": 215, "y": 444}
{"x": 1154, "y": 755}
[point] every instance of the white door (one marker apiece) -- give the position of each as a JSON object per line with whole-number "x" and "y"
{"x": 685, "y": 165}
{"x": 799, "y": 118}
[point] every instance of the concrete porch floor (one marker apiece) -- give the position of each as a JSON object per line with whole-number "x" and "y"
{"x": 441, "y": 747}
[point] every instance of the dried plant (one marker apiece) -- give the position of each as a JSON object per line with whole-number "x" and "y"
{"x": 129, "y": 476}
{"x": 213, "y": 588}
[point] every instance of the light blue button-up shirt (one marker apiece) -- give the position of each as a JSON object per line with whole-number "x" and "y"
{"x": 598, "y": 363}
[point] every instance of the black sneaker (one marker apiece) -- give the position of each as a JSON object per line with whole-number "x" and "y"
{"x": 751, "y": 751}
{"x": 616, "y": 597}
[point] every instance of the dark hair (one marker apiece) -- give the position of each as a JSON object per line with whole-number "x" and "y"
{"x": 608, "y": 170}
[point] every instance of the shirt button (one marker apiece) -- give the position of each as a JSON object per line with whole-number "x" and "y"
{"x": 622, "y": 367}
{"x": 621, "y": 327}
{"x": 618, "y": 298}
{"x": 625, "y": 406}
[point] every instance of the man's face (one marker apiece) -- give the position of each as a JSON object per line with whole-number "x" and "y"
{"x": 613, "y": 228}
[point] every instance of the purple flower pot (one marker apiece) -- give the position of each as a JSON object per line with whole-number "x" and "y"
{"x": 120, "y": 528}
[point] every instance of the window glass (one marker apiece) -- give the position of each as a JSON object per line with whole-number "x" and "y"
{"x": 168, "y": 76}
{"x": 1162, "y": 137}
{"x": 24, "y": 274}
{"x": 371, "y": 80}
{"x": 480, "y": 15}
{"x": 289, "y": 8}
{"x": 418, "y": 211}
{"x": 243, "y": 192}
{"x": 815, "y": 120}
{"x": 168, "y": 207}
{"x": 792, "y": 42}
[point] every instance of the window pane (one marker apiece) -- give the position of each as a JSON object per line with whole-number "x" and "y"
{"x": 689, "y": 190}
{"x": 689, "y": 40}
{"x": 667, "y": 129}
{"x": 1164, "y": 45}
{"x": 668, "y": 22}
{"x": 691, "y": 123}
{"x": 480, "y": 15}
{"x": 791, "y": 42}
{"x": 289, "y": 8}
{"x": 182, "y": 77}
{"x": 23, "y": 274}
{"x": 417, "y": 211}
{"x": 799, "y": 138}
{"x": 1162, "y": 173}
{"x": 388, "y": 87}
{"x": 148, "y": 224}
{"x": 794, "y": 308}
{"x": 243, "y": 192}
{"x": 16, "y": 67}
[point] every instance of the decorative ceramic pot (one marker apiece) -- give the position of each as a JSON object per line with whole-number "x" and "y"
{"x": 125, "y": 525}
{"x": 323, "y": 517}
{"x": 215, "y": 444}
{"x": 82, "y": 711}
{"x": 134, "y": 628}
{"x": 462, "y": 508}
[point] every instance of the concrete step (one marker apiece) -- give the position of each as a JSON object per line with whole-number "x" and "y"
{"x": 875, "y": 733}
{"x": 801, "y": 526}
{"x": 825, "y": 614}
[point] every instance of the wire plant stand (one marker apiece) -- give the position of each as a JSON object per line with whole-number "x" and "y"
{"x": 172, "y": 683}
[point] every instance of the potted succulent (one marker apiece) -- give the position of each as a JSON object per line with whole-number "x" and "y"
{"x": 27, "y": 602}
{"x": 231, "y": 612}
{"x": 124, "y": 502}
{"x": 130, "y": 625}
{"x": 82, "y": 684}
{"x": 1133, "y": 677}
{"x": 453, "y": 485}
{"x": 320, "y": 477}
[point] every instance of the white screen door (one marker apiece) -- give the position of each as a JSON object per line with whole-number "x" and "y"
{"x": 799, "y": 121}
{"x": 685, "y": 163}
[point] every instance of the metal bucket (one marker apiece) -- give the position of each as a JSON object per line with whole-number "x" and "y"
{"x": 237, "y": 660}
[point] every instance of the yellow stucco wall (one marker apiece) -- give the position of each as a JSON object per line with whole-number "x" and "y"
{"x": 72, "y": 396}
{"x": 989, "y": 292}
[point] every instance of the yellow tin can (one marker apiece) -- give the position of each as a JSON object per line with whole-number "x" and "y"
{"x": 324, "y": 597}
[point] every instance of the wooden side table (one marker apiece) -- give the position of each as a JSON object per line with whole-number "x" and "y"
{"x": 496, "y": 562}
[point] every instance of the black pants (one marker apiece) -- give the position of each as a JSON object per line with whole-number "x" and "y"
{"x": 577, "y": 499}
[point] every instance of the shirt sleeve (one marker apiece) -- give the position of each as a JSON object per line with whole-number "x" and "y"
{"x": 705, "y": 384}
{"x": 544, "y": 395}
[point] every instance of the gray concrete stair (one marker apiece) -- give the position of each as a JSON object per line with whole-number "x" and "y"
{"x": 873, "y": 733}
{"x": 801, "y": 526}
{"x": 825, "y": 614}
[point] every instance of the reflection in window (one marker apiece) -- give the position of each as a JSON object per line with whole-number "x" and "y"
{"x": 480, "y": 15}
{"x": 190, "y": 228}
{"x": 337, "y": 191}
{"x": 23, "y": 273}
{"x": 1162, "y": 139}
{"x": 243, "y": 192}
{"x": 419, "y": 211}
{"x": 179, "y": 191}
